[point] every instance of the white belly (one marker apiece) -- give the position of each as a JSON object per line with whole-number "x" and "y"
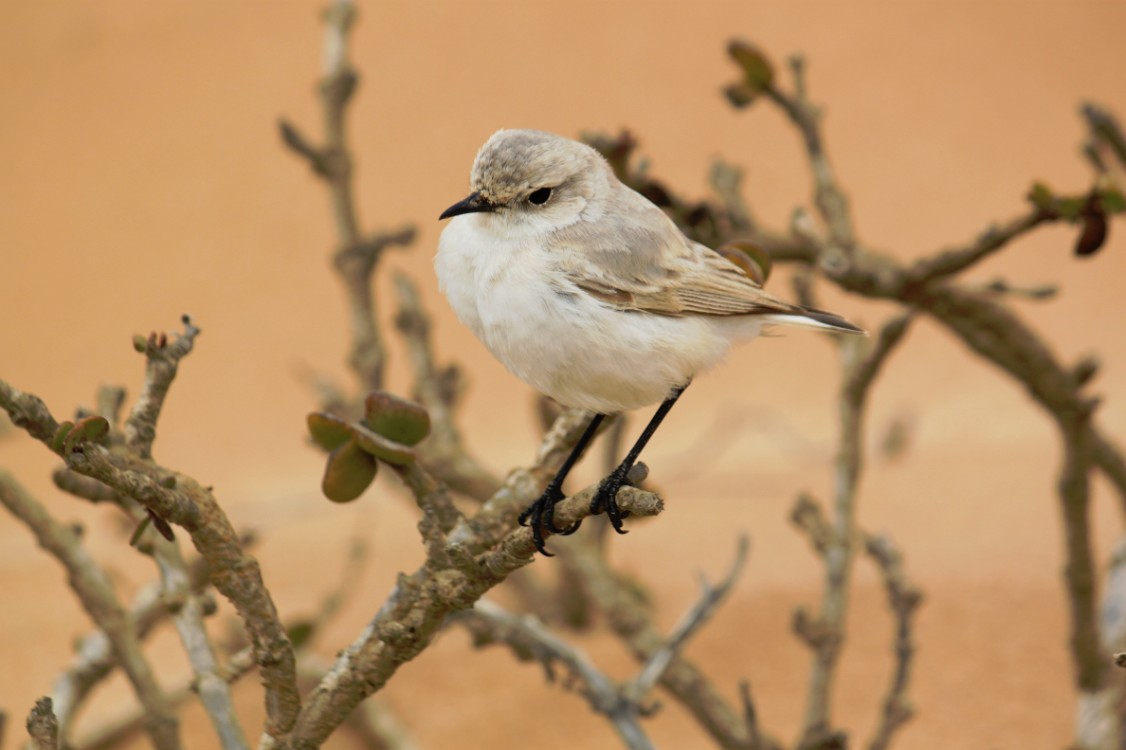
{"x": 568, "y": 346}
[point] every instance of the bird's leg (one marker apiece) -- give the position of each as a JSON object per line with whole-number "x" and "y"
{"x": 606, "y": 497}
{"x": 541, "y": 512}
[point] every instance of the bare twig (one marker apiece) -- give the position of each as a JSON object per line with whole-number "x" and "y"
{"x": 807, "y": 516}
{"x": 110, "y": 400}
{"x": 82, "y": 487}
{"x": 214, "y": 691}
{"x": 830, "y": 200}
{"x": 28, "y": 412}
{"x": 1035, "y": 292}
{"x": 835, "y": 540}
{"x": 357, "y": 256}
{"x": 710, "y": 599}
{"x": 904, "y": 599}
{"x": 1107, "y": 140}
{"x": 162, "y": 357}
{"x": 93, "y": 588}
{"x": 755, "y": 739}
{"x": 956, "y": 259}
{"x": 726, "y": 181}
{"x": 1074, "y": 491}
{"x": 94, "y": 658}
{"x": 115, "y": 729}
{"x": 529, "y": 637}
{"x": 42, "y": 726}
{"x": 628, "y": 615}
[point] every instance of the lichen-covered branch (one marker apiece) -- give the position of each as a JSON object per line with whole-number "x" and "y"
{"x": 28, "y": 412}
{"x": 95, "y": 591}
{"x": 180, "y": 500}
{"x": 162, "y": 358}
{"x": 416, "y": 610}
{"x": 373, "y": 724}
{"x": 234, "y": 573}
{"x": 42, "y": 726}
{"x": 94, "y": 658}
{"x": 439, "y": 514}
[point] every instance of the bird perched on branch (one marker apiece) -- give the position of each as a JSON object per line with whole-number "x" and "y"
{"x": 589, "y": 293}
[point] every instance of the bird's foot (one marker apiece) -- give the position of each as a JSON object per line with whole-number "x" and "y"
{"x": 606, "y": 499}
{"x": 540, "y": 516}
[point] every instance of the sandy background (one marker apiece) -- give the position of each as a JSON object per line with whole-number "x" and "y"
{"x": 142, "y": 178}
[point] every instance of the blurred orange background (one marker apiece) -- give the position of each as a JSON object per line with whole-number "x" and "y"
{"x": 143, "y": 177}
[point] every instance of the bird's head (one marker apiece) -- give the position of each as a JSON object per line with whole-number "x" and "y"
{"x": 533, "y": 178}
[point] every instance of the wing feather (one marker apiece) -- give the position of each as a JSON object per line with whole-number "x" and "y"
{"x": 634, "y": 258}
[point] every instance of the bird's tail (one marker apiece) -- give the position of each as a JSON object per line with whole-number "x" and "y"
{"x": 810, "y": 317}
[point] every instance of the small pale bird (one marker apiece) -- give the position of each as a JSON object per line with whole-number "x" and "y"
{"x": 589, "y": 293}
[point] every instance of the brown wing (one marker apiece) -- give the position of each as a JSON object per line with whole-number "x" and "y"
{"x": 635, "y": 258}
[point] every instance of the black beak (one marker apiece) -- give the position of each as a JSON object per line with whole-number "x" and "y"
{"x": 471, "y": 205}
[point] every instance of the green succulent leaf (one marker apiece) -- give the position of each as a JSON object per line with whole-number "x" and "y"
{"x": 739, "y": 95}
{"x": 327, "y": 430}
{"x": 301, "y": 632}
{"x": 59, "y": 440}
{"x": 1071, "y": 208}
{"x": 1113, "y": 202}
{"x": 85, "y": 430}
{"x": 348, "y": 472}
{"x": 381, "y": 447}
{"x": 1041, "y": 196}
{"x": 402, "y": 421}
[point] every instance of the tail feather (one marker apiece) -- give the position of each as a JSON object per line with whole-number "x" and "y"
{"x": 810, "y": 317}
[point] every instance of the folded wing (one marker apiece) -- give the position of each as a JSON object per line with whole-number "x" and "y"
{"x": 637, "y": 260}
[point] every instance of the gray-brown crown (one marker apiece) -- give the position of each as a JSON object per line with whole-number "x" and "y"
{"x": 514, "y": 162}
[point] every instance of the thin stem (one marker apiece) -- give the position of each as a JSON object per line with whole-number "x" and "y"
{"x": 95, "y": 591}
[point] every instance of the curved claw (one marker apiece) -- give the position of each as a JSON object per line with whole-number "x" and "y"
{"x": 540, "y": 516}
{"x": 535, "y": 510}
{"x": 606, "y": 499}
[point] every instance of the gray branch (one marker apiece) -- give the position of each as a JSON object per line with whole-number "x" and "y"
{"x": 95, "y": 591}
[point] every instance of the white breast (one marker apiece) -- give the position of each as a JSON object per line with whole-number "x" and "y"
{"x": 559, "y": 339}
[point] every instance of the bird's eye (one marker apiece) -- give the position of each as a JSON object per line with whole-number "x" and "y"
{"x": 540, "y": 196}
